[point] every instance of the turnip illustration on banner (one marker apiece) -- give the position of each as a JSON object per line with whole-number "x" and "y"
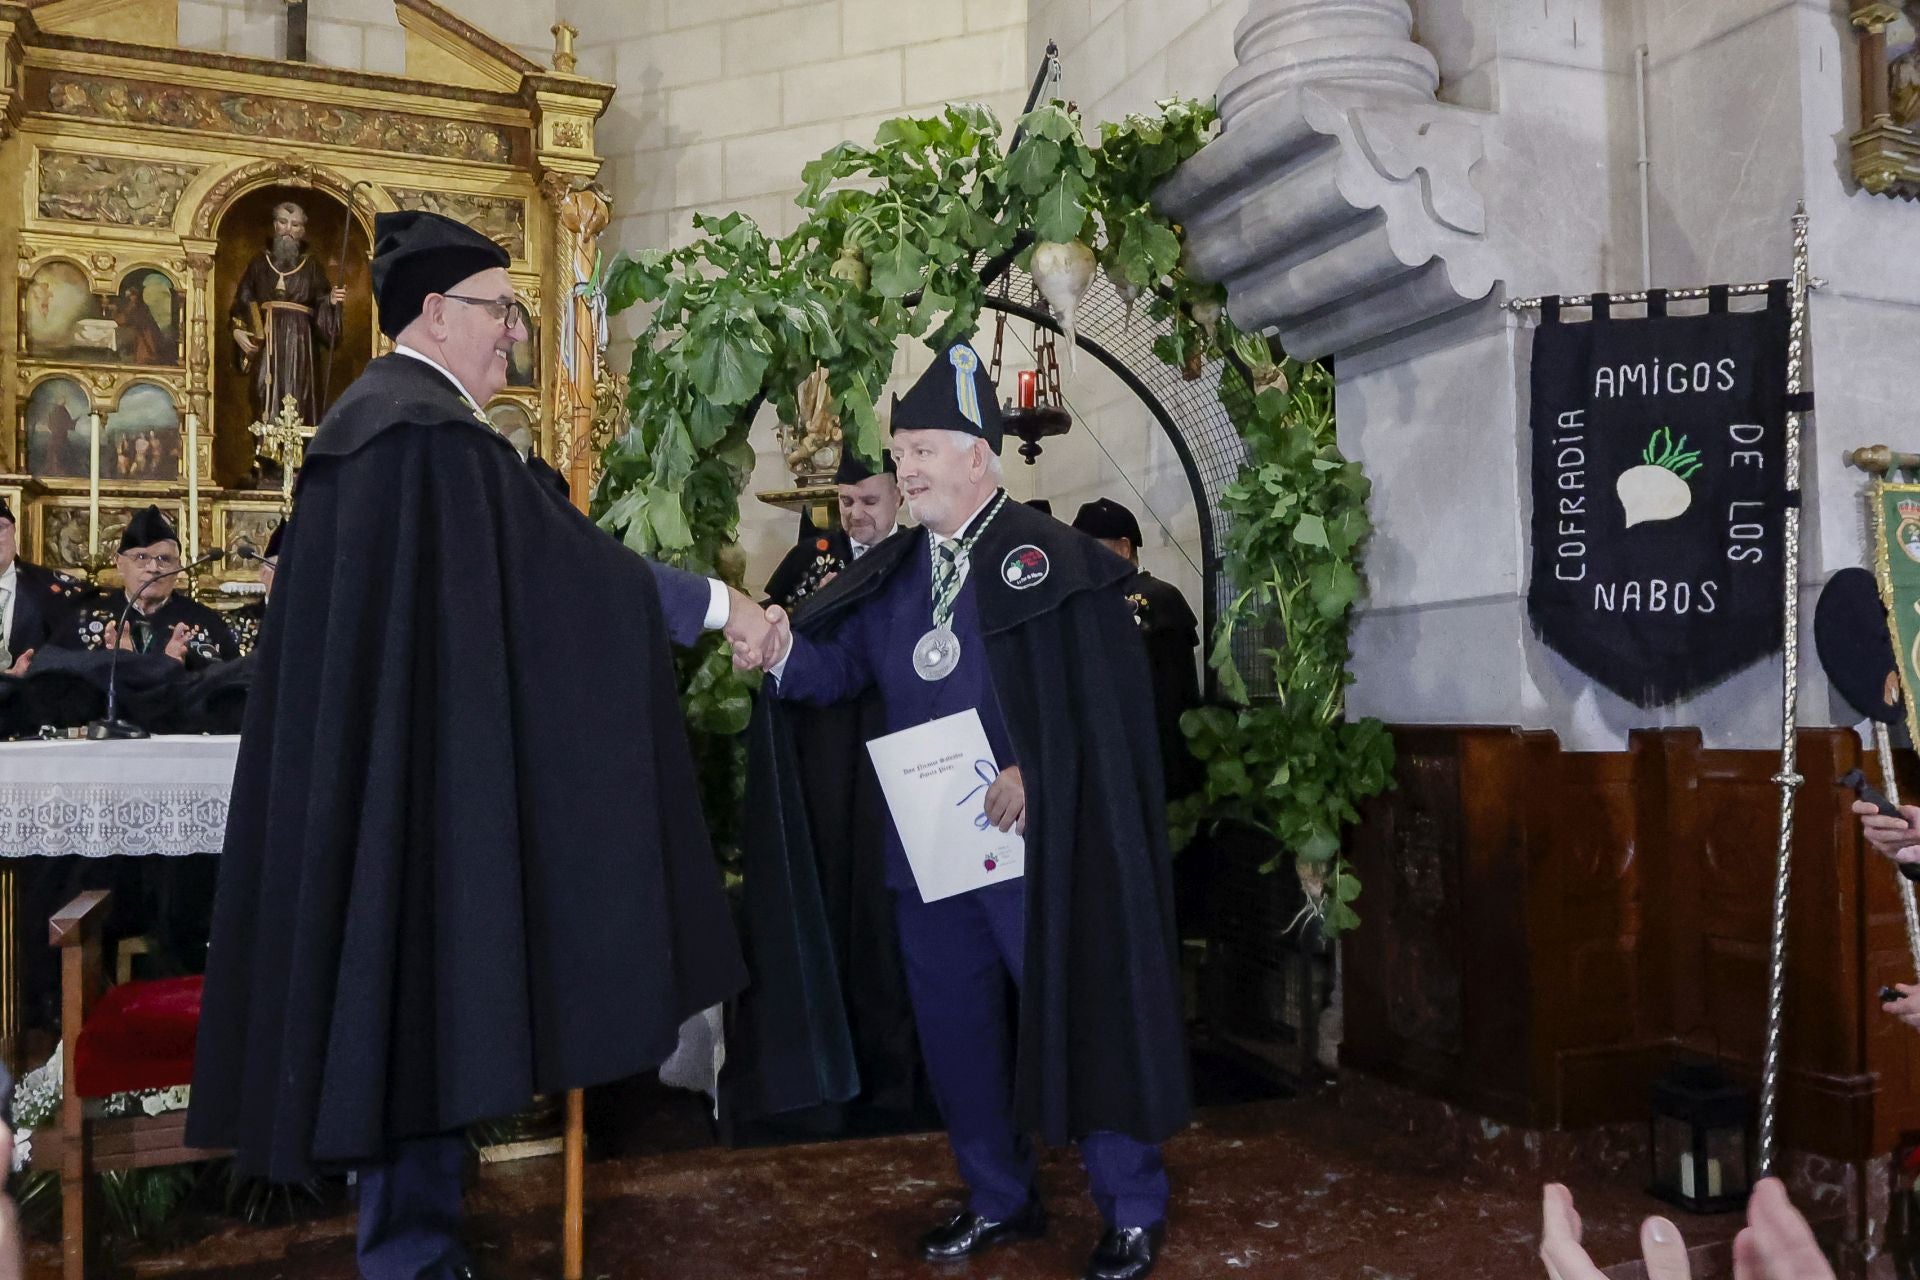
{"x": 1658, "y": 464}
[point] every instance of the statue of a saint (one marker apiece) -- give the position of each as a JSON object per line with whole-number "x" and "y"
{"x": 283, "y": 313}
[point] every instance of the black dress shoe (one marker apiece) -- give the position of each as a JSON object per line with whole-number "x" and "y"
{"x": 966, "y": 1234}
{"x": 1127, "y": 1253}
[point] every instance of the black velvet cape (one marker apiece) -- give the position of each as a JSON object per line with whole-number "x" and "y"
{"x": 465, "y": 861}
{"x": 1100, "y": 1035}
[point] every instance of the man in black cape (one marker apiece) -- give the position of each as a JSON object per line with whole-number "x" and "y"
{"x": 1168, "y": 626}
{"x": 847, "y": 824}
{"x": 869, "y": 507}
{"x": 993, "y": 608}
{"x": 465, "y": 862}
{"x": 161, "y": 618}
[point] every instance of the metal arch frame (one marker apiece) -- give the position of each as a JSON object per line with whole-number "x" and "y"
{"x": 1209, "y": 550}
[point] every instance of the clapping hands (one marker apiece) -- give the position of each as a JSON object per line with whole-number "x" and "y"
{"x": 177, "y": 638}
{"x": 759, "y": 638}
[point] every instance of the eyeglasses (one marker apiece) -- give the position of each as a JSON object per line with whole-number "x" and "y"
{"x": 508, "y": 311}
{"x": 160, "y": 562}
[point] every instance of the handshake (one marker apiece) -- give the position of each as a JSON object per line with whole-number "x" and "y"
{"x": 760, "y": 638}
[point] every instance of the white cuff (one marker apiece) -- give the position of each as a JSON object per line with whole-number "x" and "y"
{"x": 719, "y": 605}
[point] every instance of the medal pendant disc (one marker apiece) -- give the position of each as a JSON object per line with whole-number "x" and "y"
{"x": 936, "y": 654}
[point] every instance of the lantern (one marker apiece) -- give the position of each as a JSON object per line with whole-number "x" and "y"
{"x": 1698, "y": 1143}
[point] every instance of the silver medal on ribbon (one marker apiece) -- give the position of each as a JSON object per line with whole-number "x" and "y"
{"x": 936, "y": 654}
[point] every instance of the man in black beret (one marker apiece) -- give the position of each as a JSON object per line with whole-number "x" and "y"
{"x": 1167, "y": 625}
{"x": 991, "y": 610}
{"x": 869, "y": 505}
{"x": 36, "y": 603}
{"x": 465, "y": 862}
{"x": 162, "y": 619}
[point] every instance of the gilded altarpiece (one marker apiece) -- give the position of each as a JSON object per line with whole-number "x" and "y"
{"x": 150, "y": 184}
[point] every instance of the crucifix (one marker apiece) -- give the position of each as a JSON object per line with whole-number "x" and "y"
{"x": 285, "y": 441}
{"x": 296, "y": 30}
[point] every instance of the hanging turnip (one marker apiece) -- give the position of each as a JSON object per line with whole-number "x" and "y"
{"x": 1129, "y": 292}
{"x": 1657, "y": 489}
{"x": 1062, "y": 273}
{"x": 1207, "y": 315}
{"x": 850, "y": 268}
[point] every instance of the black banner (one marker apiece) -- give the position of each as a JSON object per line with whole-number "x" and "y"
{"x": 1659, "y": 451}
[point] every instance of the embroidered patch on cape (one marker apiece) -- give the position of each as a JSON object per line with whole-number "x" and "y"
{"x": 1025, "y": 566}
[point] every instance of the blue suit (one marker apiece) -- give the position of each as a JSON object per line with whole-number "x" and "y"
{"x": 960, "y": 952}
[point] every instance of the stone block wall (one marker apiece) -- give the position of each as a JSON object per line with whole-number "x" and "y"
{"x": 1121, "y": 56}
{"x": 360, "y": 35}
{"x": 721, "y": 102}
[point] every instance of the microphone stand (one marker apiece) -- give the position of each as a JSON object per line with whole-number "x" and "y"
{"x": 112, "y": 728}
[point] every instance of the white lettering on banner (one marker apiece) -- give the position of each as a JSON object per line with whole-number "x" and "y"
{"x": 1655, "y": 595}
{"x": 1570, "y": 557}
{"x": 1656, "y": 378}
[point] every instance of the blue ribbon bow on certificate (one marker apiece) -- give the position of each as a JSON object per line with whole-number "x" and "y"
{"x": 986, "y": 772}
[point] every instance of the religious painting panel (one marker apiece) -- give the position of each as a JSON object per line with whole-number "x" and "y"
{"x": 60, "y": 535}
{"x": 499, "y": 218}
{"x": 142, "y": 438}
{"x": 60, "y": 316}
{"x": 55, "y": 422}
{"x": 523, "y": 363}
{"x": 242, "y": 529}
{"x": 1903, "y": 66}
{"x": 121, "y": 191}
{"x": 147, "y": 313}
{"x": 514, "y": 421}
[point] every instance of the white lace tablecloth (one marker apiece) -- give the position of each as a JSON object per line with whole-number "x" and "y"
{"x": 165, "y": 795}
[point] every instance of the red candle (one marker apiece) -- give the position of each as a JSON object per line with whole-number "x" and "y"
{"x": 1029, "y": 381}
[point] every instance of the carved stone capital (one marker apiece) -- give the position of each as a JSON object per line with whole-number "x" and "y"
{"x": 1338, "y": 205}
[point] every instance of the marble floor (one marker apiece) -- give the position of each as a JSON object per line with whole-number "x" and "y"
{"x": 1336, "y": 1184}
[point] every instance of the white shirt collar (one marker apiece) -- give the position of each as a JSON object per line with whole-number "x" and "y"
{"x": 10, "y": 575}
{"x": 940, "y": 538}
{"x": 401, "y": 348}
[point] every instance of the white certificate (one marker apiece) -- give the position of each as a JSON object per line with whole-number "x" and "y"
{"x": 935, "y": 778}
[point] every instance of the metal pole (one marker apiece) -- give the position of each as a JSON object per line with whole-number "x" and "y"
{"x": 1883, "y": 745}
{"x": 1788, "y": 778}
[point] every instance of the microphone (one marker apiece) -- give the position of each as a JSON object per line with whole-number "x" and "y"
{"x": 113, "y": 728}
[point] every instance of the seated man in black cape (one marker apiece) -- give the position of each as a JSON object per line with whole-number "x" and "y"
{"x": 465, "y": 862}
{"x": 993, "y": 608}
{"x": 869, "y": 513}
{"x": 161, "y": 618}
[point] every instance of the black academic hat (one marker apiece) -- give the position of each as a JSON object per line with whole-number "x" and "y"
{"x": 273, "y": 540}
{"x": 147, "y": 528}
{"x": 1850, "y": 631}
{"x": 954, "y": 394}
{"x": 1041, "y": 505}
{"x": 853, "y": 468}
{"x": 416, "y": 253}
{"x": 6, "y": 512}
{"x": 1105, "y": 518}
